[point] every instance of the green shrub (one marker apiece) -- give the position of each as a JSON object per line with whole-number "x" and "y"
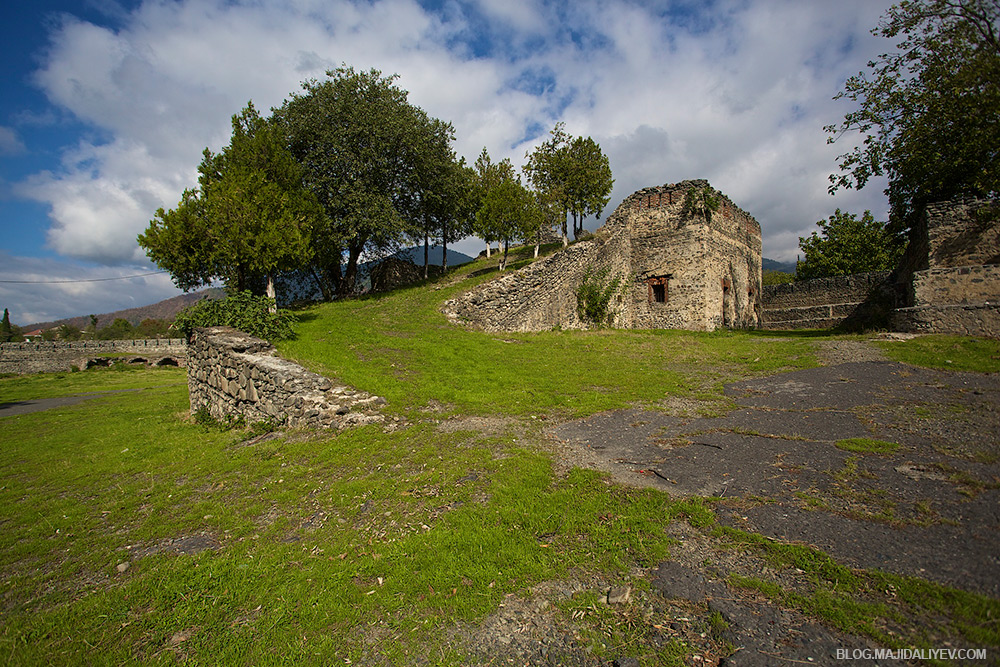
{"x": 593, "y": 296}
{"x": 240, "y": 310}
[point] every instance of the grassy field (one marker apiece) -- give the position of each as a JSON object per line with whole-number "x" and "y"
{"x": 131, "y": 534}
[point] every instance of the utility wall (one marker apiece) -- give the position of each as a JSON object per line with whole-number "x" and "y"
{"x": 235, "y": 375}
{"x": 59, "y": 356}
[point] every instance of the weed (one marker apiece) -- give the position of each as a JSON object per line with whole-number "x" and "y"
{"x": 867, "y": 446}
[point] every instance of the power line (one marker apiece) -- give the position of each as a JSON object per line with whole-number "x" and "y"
{"x": 82, "y": 280}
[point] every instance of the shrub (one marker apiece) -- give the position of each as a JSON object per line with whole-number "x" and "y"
{"x": 240, "y": 310}
{"x": 593, "y": 296}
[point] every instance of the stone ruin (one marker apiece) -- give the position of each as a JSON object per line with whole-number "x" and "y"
{"x": 679, "y": 269}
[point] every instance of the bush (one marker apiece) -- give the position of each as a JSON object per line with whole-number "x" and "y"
{"x": 240, "y": 310}
{"x": 593, "y": 296}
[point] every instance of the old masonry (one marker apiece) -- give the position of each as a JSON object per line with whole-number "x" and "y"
{"x": 687, "y": 258}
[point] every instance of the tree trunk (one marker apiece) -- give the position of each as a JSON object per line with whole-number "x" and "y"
{"x": 565, "y": 238}
{"x": 324, "y": 287}
{"x": 351, "y": 273}
{"x": 503, "y": 260}
{"x": 427, "y": 242}
{"x": 488, "y": 249}
{"x": 444, "y": 254}
{"x": 272, "y": 295}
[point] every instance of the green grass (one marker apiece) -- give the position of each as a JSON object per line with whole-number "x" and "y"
{"x": 401, "y": 347}
{"x": 953, "y": 353}
{"x": 867, "y": 446}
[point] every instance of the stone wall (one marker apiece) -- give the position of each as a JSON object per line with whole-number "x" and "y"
{"x": 678, "y": 270}
{"x": 235, "y": 375}
{"x": 59, "y": 356}
{"x": 823, "y": 302}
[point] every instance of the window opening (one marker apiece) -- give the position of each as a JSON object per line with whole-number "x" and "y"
{"x": 658, "y": 289}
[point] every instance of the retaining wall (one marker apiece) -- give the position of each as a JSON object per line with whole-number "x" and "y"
{"x": 235, "y": 375}
{"x": 58, "y": 356}
{"x": 823, "y": 302}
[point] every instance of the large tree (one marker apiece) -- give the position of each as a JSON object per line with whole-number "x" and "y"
{"x": 511, "y": 212}
{"x": 845, "y": 245}
{"x": 488, "y": 175}
{"x": 572, "y": 175}
{"x": 249, "y": 218}
{"x": 361, "y": 144}
{"x": 927, "y": 111}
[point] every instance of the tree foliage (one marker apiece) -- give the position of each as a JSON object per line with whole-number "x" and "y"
{"x": 6, "y": 330}
{"x": 509, "y": 212}
{"x": 846, "y": 245}
{"x": 571, "y": 175}
{"x": 594, "y": 295}
{"x": 369, "y": 157}
{"x": 246, "y": 311}
{"x": 927, "y": 111}
{"x": 249, "y": 217}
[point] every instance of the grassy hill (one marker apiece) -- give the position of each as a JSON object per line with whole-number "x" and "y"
{"x": 132, "y": 534}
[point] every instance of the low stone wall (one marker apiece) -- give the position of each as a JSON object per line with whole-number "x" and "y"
{"x": 235, "y": 375}
{"x": 981, "y": 319}
{"x": 823, "y": 302}
{"x": 58, "y": 356}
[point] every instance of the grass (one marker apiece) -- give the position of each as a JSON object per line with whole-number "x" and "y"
{"x": 953, "y": 353}
{"x": 867, "y": 446}
{"x": 370, "y": 546}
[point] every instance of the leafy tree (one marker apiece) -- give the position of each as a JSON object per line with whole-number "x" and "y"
{"x": 927, "y": 111}
{"x": 488, "y": 175}
{"x": 120, "y": 329}
{"x": 249, "y": 218}
{"x": 362, "y": 145}
{"x": 6, "y": 331}
{"x": 774, "y": 277}
{"x": 246, "y": 311}
{"x": 153, "y": 328}
{"x": 572, "y": 175}
{"x": 69, "y": 332}
{"x": 589, "y": 181}
{"x": 703, "y": 202}
{"x": 510, "y": 212}
{"x": 446, "y": 201}
{"x": 846, "y": 245}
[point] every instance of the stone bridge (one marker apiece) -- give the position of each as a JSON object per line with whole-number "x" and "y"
{"x": 56, "y": 356}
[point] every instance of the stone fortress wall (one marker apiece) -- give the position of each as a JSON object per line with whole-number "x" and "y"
{"x": 235, "y": 375}
{"x": 58, "y": 356}
{"x": 948, "y": 282}
{"x": 678, "y": 271}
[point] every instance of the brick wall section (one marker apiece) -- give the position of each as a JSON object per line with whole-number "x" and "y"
{"x": 820, "y": 303}
{"x": 236, "y": 375}
{"x": 59, "y": 356}
{"x": 957, "y": 285}
{"x": 709, "y": 271}
{"x": 962, "y": 232}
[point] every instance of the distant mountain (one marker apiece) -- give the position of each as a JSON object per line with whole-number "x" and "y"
{"x": 164, "y": 310}
{"x": 416, "y": 255}
{"x": 774, "y": 265}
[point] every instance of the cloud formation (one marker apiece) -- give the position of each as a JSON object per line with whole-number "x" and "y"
{"x": 733, "y": 91}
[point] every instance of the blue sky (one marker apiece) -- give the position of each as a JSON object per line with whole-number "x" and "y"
{"x": 108, "y": 104}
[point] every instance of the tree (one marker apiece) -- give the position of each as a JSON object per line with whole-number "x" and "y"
{"x": 572, "y": 174}
{"x": 6, "y": 331}
{"x": 120, "y": 329}
{"x": 589, "y": 181}
{"x": 846, "y": 245}
{"x": 510, "y": 212}
{"x": 928, "y": 111}
{"x": 361, "y": 144}
{"x": 488, "y": 175}
{"x": 69, "y": 332}
{"x": 249, "y": 218}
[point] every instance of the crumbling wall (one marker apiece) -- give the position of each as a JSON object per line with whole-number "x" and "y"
{"x": 59, "y": 356}
{"x": 234, "y": 375}
{"x": 678, "y": 270}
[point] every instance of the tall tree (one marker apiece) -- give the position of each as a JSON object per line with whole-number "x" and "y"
{"x": 6, "y": 332}
{"x": 927, "y": 111}
{"x": 589, "y": 181}
{"x": 488, "y": 175}
{"x": 547, "y": 170}
{"x": 510, "y": 212}
{"x": 360, "y": 142}
{"x": 249, "y": 218}
{"x": 845, "y": 245}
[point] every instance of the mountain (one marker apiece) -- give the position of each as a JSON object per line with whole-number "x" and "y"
{"x": 416, "y": 255}
{"x": 774, "y": 265}
{"x": 163, "y": 310}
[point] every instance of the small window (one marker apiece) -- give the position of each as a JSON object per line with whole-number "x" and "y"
{"x": 658, "y": 289}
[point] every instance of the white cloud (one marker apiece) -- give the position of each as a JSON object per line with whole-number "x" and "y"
{"x": 737, "y": 93}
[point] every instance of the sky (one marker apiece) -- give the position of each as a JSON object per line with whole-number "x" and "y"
{"x": 107, "y": 105}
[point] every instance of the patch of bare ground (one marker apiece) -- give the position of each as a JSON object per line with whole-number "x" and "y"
{"x": 834, "y": 352}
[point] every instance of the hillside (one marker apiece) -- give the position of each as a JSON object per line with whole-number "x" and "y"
{"x": 162, "y": 310}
